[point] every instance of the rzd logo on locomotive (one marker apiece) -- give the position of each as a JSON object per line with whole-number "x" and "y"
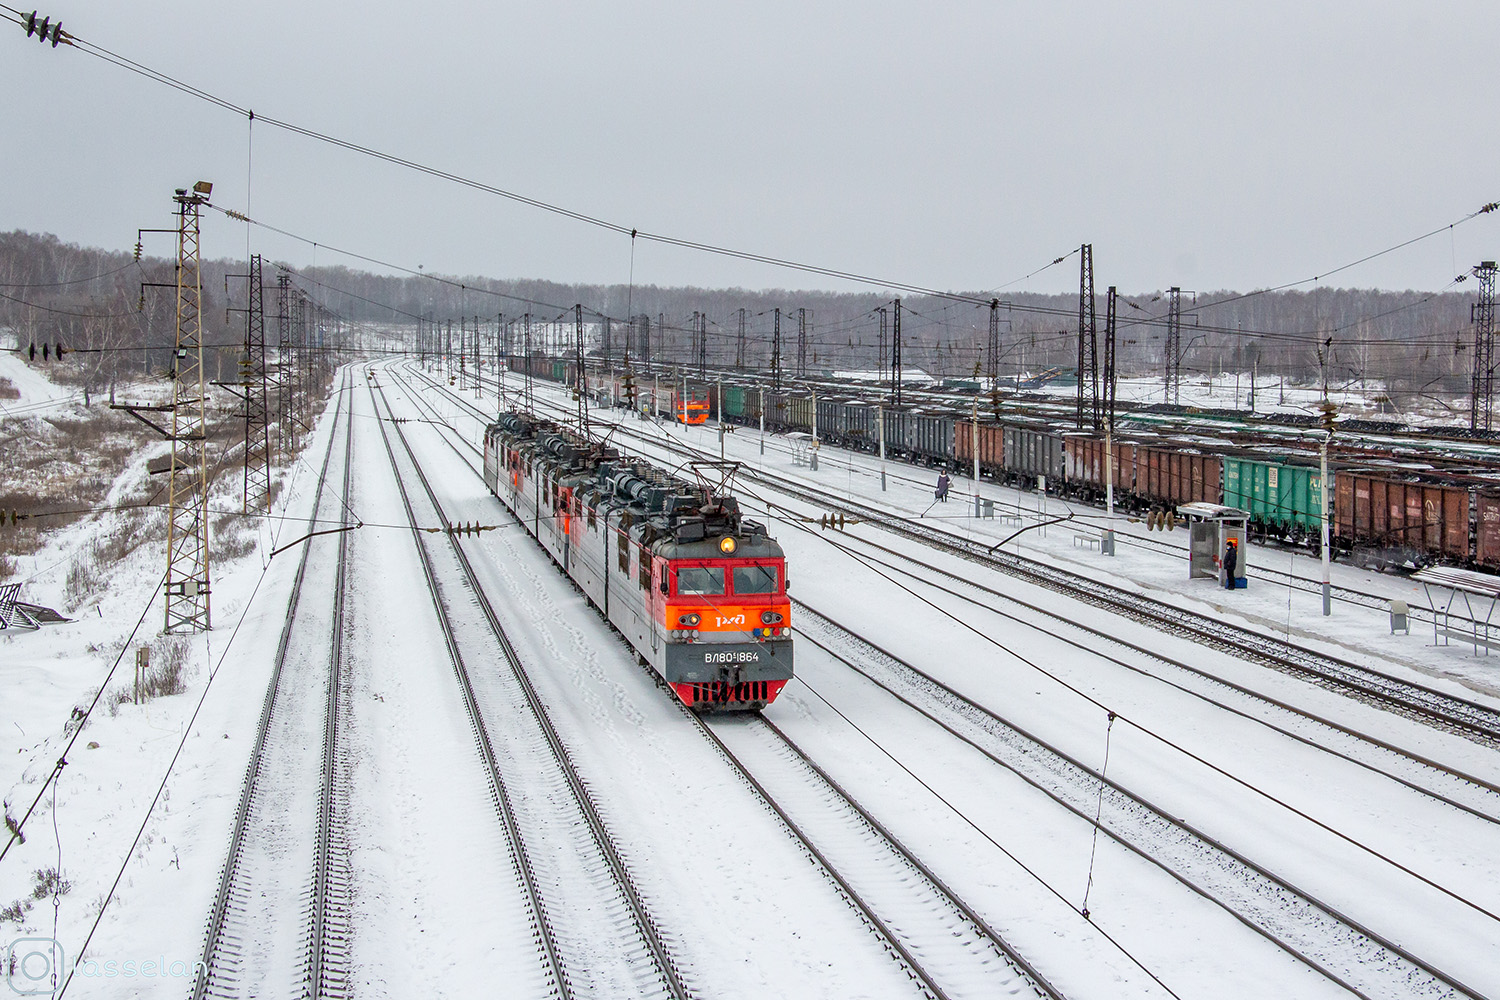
{"x": 738, "y": 619}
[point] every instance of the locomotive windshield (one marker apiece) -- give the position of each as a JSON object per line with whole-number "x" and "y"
{"x": 700, "y": 580}
{"x": 755, "y": 579}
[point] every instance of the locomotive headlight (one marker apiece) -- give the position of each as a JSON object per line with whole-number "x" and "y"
{"x": 770, "y": 617}
{"x": 688, "y": 620}
{"x": 727, "y": 545}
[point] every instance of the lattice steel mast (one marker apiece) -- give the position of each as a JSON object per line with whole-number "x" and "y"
{"x": 896, "y": 353}
{"x": 580, "y": 377}
{"x": 1110, "y": 375}
{"x": 1482, "y": 315}
{"x": 1173, "y": 386}
{"x": 739, "y": 344}
{"x": 187, "y": 581}
{"x": 992, "y": 357}
{"x": 286, "y": 362}
{"x": 801, "y": 343}
{"x": 776, "y": 353}
{"x": 1088, "y": 343}
{"x": 254, "y": 380}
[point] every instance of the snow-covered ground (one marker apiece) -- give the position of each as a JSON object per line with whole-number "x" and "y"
{"x": 745, "y": 911}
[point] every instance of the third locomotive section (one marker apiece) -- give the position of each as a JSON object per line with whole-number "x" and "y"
{"x": 697, "y": 590}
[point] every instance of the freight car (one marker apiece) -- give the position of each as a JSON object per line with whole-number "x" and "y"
{"x": 696, "y": 589}
{"x": 1285, "y": 500}
{"x": 1387, "y": 519}
{"x": 1381, "y": 518}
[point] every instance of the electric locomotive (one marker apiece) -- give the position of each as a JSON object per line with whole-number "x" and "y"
{"x": 697, "y": 590}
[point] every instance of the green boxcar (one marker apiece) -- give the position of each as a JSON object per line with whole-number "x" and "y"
{"x": 559, "y": 371}
{"x": 734, "y": 402}
{"x": 1281, "y": 497}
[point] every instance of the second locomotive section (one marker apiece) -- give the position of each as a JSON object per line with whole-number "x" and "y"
{"x": 697, "y": 590}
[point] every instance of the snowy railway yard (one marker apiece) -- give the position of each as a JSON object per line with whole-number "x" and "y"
{"x": 426, "y": 766}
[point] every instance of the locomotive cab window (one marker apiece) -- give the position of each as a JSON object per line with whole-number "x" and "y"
{"x": 755, "y": 579}
{"x": 700, "y": 580}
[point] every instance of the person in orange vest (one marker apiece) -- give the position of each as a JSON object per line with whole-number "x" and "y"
{"x": 1231, "y": 561}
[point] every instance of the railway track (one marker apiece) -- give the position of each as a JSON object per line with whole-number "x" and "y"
{"x": 1462, "y": 790}
{"x": 1314, "y": 932}
{"x": 597, "y": 935}
{"x": 1387, "y": 962}
{"x": 271, "y": 839}
{"x": 947, "y": 947}
{"x": 1471, "y": 719}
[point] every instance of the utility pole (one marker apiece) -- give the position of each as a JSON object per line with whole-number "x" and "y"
{"x": 604, "y": 340}
{"x": 187, "y": 487}
{"x": 739, "y": 345}
{"x": 1482, "y": 316}
{"x": 896, "y": 353}
{"x": 1173, "y": 385}
{"x": 883, "y": 318}
{"x": 992, "y": 359}
{"x": 801, "y": 343}
{"x": 1088, "y": 343}
{"x": 776, "y": 353}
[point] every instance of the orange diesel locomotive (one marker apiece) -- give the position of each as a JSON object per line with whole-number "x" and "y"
{"x": 696, "y": 589}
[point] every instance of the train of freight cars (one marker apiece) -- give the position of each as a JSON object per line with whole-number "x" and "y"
{"x": 696, "y": 589}
{"x": 1383, "y": 515}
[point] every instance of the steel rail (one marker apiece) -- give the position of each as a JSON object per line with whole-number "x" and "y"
{"x": 1081, "y": 772}
{"x": 328, "y": 944}
{"x": 1039, "y": 983}
{"x": 892, "y": 942}
{"x": 1473, "y": 720}
{"x": 1154, "y": 654}
{"x": 218, "y": 920}
{"x": 645, "y": 925}
{"x": 499, "y": 790}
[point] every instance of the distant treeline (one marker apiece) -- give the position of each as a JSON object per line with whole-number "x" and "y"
{"x": 1413, "y": 342}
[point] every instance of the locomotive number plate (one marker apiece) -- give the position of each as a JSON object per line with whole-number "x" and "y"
{"x": 735, "y": 656}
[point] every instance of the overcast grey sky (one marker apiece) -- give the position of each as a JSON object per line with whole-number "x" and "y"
{"x": 954, "y": 145}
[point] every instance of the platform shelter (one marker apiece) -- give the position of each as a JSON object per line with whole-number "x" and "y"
{"x": 1469, "y": 587}
{"x": 1210, "y": 527}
